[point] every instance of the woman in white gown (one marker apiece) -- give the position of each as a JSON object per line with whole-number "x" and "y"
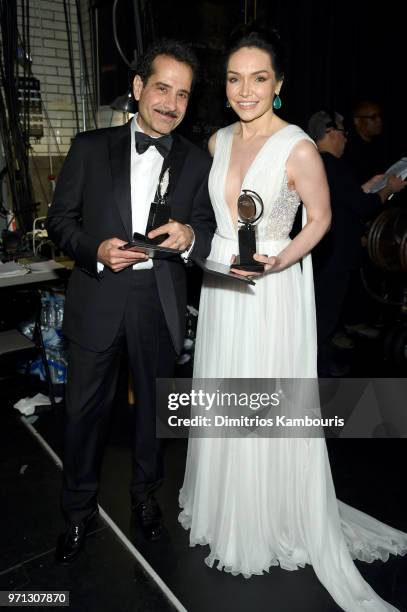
{"x": 260, "y": 502}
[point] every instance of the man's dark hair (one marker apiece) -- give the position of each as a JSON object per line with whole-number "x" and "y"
{"x": 172, "y": 48}
{"x": 360, "y": 106}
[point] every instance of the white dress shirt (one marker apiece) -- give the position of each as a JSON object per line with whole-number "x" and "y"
{"x": 145, "y": 170}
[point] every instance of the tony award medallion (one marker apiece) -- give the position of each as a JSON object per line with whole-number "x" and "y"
{"x": 160, "y": 211}
{"x": 250, "y": 209}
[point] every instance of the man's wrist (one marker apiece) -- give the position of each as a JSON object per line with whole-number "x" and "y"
{"x": 191, "y": 242}
{"x": 185, "y": 255}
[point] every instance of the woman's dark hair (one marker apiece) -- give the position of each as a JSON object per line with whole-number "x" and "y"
{"x": 172, "y": 48}
{"x": 260, "y": 37}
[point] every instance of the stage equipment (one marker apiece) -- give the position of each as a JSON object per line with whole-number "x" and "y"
{"x": 387, "y": 248}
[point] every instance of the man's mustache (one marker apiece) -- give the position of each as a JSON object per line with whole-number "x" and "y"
{"x": 168, "y": 113}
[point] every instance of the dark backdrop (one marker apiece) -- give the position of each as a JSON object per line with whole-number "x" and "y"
{"x": 338, "y": 52}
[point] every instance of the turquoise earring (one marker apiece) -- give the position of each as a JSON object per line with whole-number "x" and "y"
{"x": 277, "y": 102}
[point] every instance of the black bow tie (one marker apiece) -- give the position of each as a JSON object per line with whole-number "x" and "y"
{"x": 162, "y": 144}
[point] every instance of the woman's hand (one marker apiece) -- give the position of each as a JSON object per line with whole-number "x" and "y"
{"x": 271, "y": 264}
{"x": 242, "y": 272}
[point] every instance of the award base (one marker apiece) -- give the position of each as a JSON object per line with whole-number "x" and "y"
{"x": 159, "y": 215}
{"x": 254, "y": 266}
{"x": 141, "y": 244}
{"x": 247, "y": 248}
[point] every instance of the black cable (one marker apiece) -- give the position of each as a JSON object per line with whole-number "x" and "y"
{"x": 11, "y": 126}
{"x": 149, "y": 23}
{"x": 27, "y": 56}
{"x": 44, "y": 108}
{"x": 137, "y": 25}
{"x": 71, "y": 61}
{"x": 22, "y": 84}
{"x": 22, "y": 111}
{"x": 92, "y": 90}
{"x": 5, "y": 136}
{"x": 116, "y": 40}
{"x": 84, "y": 62}
{"x": 94, "y": 54}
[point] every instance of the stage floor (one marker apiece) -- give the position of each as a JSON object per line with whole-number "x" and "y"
{"x": 369, "y": 474}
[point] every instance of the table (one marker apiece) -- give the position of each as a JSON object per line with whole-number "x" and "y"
{"x": 54, "y": 271}
{"x": 42, "y": 273}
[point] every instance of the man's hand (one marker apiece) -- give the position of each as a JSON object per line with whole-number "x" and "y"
{"x": 372, "y": 182}
{"x": 179, "y": 236}
{"x": 395, "y": 183}
{"x": 111, "y": 256}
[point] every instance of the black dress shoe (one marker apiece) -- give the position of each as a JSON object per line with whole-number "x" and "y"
{"x": 71, "y": 542}
{"x": 148, "y": 514}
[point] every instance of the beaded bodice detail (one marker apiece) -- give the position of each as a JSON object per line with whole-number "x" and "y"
{"x": 280, "y": 218}
{"x": 266, "y": 176}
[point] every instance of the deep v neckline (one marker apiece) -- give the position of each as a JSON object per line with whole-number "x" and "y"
{"x": 249, "y": 169}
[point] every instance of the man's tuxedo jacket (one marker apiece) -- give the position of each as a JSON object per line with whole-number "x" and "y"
{"x": 92, "y": 203}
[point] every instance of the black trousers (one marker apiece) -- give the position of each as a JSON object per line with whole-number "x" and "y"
{"x": 90, "y": 393}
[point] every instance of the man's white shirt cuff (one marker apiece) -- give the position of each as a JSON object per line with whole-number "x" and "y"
{"x": 185, "y": 255}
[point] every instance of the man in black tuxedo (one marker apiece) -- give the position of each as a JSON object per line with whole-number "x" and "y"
{"x": 103, "y": 195}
